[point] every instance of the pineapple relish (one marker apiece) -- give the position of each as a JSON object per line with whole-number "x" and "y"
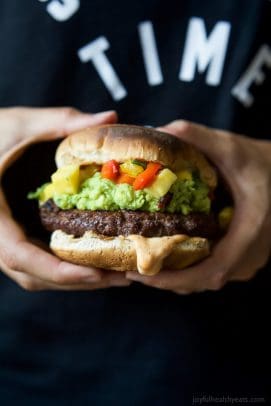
{"x": 131, "y": 185}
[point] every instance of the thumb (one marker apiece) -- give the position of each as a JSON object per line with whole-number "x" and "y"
{"x": 45, "y": 124}
{"x": 83, "y": 120}
{"x": 215, "y": 144}
{"x": 59, "y": 122}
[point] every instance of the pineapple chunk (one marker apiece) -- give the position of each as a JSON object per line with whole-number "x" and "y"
{"x": 162, "y": 183}
{"x": 184, "y": 174}
{"x": 86, "y": 171}
{"x": 225, "y": 216}
{"x": 66, "y": 179}
{"x": 131, "y": 169}
{"x": 47, "y": 193}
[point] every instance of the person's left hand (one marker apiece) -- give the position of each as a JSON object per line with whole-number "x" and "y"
{"x": 246, "y": 165}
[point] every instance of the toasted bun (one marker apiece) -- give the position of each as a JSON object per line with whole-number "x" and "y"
{"x": 122, "y": 142}
{"x": 124, "y": 254}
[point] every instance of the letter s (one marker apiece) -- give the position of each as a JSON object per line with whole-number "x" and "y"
{"x": 62, "y": 11}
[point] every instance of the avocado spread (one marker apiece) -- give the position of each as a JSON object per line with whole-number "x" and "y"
{"x": 97, "y": 193}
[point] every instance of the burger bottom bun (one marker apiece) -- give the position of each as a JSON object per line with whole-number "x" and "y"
{"x": 122, "y": 254}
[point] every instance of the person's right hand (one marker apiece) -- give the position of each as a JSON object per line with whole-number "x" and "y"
{"x": 27, "y": 264}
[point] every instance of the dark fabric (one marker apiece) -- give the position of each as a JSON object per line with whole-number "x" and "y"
{"x": 130, "y": 346}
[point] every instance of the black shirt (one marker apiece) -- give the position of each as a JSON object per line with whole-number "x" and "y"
{"x": 152, "y": 61}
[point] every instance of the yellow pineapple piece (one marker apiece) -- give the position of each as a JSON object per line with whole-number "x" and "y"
{"x": 184, "y": 174}
{"x": 66, "y": 179}
{"x": 47, "y": 193}
{"x": 131, "y": 169}
{"x": 225, "y": 216}
{"x": 162, "y": 183}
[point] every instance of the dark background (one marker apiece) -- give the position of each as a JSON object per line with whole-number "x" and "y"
{"x": 137, "y": 345}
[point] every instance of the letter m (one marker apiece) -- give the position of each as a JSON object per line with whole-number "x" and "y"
{"x": 205, "y": 53}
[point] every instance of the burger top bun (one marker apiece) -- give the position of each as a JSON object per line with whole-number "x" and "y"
{"x": 122, "y": 142}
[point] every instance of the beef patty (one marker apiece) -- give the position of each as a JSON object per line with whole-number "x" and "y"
{"x": 126, "y": 222}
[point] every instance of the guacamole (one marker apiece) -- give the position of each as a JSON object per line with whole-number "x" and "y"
{"x": 97, "y": 193}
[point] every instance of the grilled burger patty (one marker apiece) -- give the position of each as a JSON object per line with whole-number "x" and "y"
{"x": 126, "y": 222}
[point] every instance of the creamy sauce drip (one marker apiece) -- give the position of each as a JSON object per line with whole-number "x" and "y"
{"x": 151, "y": 252}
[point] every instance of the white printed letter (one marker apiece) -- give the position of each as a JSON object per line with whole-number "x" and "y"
{"x": 62, "y": 10}
{"x": 94, "y": 52}
{"x": 253, "y": 74}
{"x": 150, "y": 54}
{"x": 202, "y": 52}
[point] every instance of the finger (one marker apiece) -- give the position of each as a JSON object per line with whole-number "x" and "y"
{"x": 108, "y": 278}
{"x": 202, "y": 137}
{"x": 19, "y": 254}
{"x": 33, "y": 284}
{"x": 23, "y": 280}
{"x": 256, "y": 257}
{"x": 210, "y": 274}
{"x": 182, "y": 292}
{"x": 36, "y": 262}
{"x": 107, "y": 281}
{"x": 61, "y": 121}
{"x": 35, "y": 125}
{"x": 181, "y": 281}
{"x": 217, "y": 145}
{"x": 213, "y": 272}
{"x": 225, "y": 149}
{"x": 22, "y": 256}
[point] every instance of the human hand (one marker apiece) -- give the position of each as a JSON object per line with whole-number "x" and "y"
{"x": 27, "y": 264}
{"x": 246, "y": 165}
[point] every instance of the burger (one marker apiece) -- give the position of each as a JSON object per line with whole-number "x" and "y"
{"x": 127, "y": 197}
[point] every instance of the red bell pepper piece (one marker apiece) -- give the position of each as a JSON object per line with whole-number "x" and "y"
{"x": 110, "y": 170}
{"x": 145, "y": 178}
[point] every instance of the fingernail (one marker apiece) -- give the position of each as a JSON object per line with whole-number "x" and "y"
{"x": 96, "y": 277}
{"x": 103, "y": 114}
{"x": 134, "y": 276}
{"x": 92, "y": 275}
{"x": 82, "y": 273}
{"x": 118, "y": 279}
{"x": 164, "y": 130}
